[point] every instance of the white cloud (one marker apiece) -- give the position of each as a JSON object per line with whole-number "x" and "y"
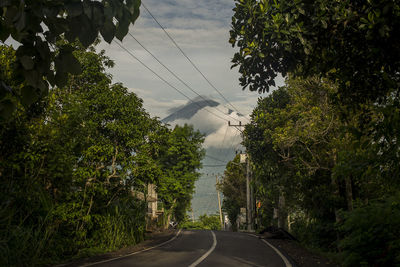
{"x": 201, "y": 28}
{"x": 219, "y": 134}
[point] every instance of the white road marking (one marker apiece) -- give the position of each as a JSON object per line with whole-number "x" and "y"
{"x": 285, "y": 260}
{"x": 137, "y": 252}
{"x": 199, "y": 260}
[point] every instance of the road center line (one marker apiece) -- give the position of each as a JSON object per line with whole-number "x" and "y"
{"x": 197, "y": 262}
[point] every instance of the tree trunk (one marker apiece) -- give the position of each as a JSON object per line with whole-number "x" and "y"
{"x": 349, "y": 193}
{"x": 336, "y": 193}
{"x": 171, "y": 210}
{"x": 282, "y": 218}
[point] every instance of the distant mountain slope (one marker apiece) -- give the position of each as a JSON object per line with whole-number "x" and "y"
{"x": 187, "y": 111}
{"x": 205, "y": 197}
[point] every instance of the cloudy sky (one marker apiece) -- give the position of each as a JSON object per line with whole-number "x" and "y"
{"x": 201, "y": 29}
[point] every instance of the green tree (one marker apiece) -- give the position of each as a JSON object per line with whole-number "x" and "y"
{"x": 233, "y": 187}
{"x": 39, "y": 25}
{"x": 180, "y": 158}
{"x": 352, "y": 43}
{"x": 68, "y": 171}
{"x": 209, "y": 222}
{"x": 293, "y": 144}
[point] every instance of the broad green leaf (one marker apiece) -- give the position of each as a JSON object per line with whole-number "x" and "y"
{"x": 5, "y": 3}
{"x": 27, "y": 62}
{"x": 20, "y": 24}
{"x": 32, "y": 77}
{"x": 74, "y": 9}
{"x": 70, "y": 63}
{"x": 4, "y": 89}
{"x": 97, "y": 14}
{"x": 108, "y": 31}
{"x": 61, "y": 79}
{"x": 122, "y": 30}
{"x": 108, "y": 11}
{"x": 11, "y": 15}
{"x": 4, "y": 32}
{"x": 87, "y": 34}
{"x": 28, "y": 95}
{"x": 7, "y": 108}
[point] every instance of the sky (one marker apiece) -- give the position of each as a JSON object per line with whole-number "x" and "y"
{"x": 201, "y": 29}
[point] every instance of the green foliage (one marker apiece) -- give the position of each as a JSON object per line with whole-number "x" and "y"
{"x": 208, "y": 222}
{"x": 331, "y": 135}
{"x": 353, "y": 43}
{"x": 315, "y": 234}
{"x": 180, "y": 158}
{"x": 293, "y": 143}
{"x": 302, "y": 150}
{"x": 371, "y": 234}
{"x": 70, "y": 163}
{"x": 39, "y": 25}
{"x": 233, "y": 186}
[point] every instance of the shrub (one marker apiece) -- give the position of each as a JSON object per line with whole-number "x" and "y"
{"x": 372, "y": 234}
{"x": 210, "y": 222}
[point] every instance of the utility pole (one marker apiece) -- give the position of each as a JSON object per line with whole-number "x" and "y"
{"x": 219, "y": 203}
{"x": 249, "y": 191}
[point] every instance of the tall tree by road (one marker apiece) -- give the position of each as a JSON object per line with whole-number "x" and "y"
{"x": 353, "y": 43}
{"x": 180, "y": 158}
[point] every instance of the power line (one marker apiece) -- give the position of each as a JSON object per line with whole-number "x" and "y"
{"x": 191, "y": 62}
{"x": 177, "y": 77}
{"x": 218, "y": 165}
{"x": 232, "y": 144}
{"x": 223, "y": 140}
{"x": 176, "y": 89}
{"x": 214, "y": 158}
{"x": 165, "y": 81}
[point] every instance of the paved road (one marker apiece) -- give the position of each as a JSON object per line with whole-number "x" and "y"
{"x": 205, "y": 248}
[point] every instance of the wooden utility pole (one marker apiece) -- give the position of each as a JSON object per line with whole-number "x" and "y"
{"x": 219, "y": 203}
{"x": 249, "y": 196}
{"x": 249, "y": 191}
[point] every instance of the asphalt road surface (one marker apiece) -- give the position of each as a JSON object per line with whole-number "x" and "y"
{"x": 205, "y": 248}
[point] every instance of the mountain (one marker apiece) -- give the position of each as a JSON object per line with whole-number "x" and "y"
{"x": 189, "y": 110}
{"x": 205, "y": 197}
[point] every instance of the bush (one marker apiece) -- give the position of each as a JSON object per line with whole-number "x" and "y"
{"x": 372, "y": 234}
{"x": 315, "y": 234}
{"x": 210, "y": 222}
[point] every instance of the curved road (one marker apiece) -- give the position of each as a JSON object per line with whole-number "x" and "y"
{"x": 205, "y": 248}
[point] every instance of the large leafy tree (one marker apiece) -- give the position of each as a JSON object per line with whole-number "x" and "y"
{"x": 180, "y": 158}
{"x": 293, "y": 142}
{"x": 39, "y": 25}
{"x": 233, "y": 186}
{"x": 354, "y": 43}
{"x": 68, "y": 170}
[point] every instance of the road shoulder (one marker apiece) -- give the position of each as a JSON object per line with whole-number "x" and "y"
{"x": 152, "y": 240}
{"x": 300, "y": 255}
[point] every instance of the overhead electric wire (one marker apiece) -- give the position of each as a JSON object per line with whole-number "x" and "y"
{"x": 165, "y": 81}
{"x": 231, "y": 146}
{"x": 223, "y": 140}
{"x": 214, "y": 158}
{"x": 218, "y": 165}
{"x": 177, "y": 77}
{"x": 176, "y": 89}
{"x": 191, "y": 62}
